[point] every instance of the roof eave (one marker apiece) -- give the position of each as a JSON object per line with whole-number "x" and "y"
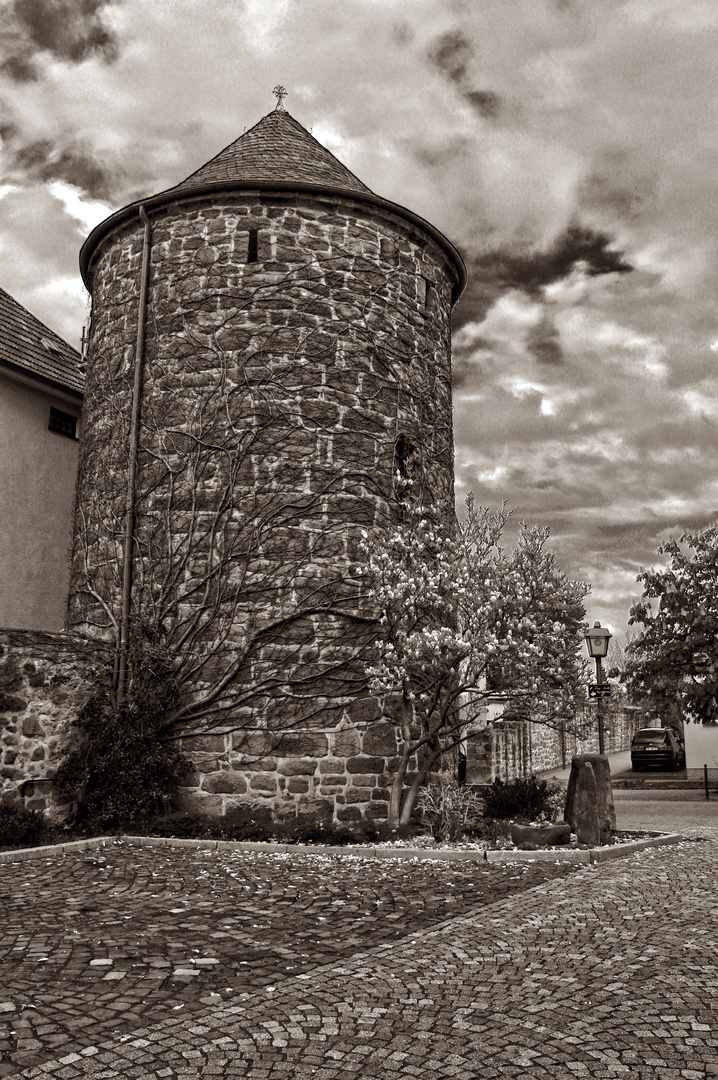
{"x": 34, "y": 377}
{"x": 180, "y": 194}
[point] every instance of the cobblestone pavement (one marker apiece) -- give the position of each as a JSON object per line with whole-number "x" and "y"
{"x": 344, "y": 967}
{"x": 98, "y": 942}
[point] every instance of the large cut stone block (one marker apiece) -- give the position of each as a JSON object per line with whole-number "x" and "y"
{"x": 263, "y": 782}
{"x": 302, "y": 744}
{"x": 229, "y": 783}
{"x": 541, "y": 835}
{"x": 345, "y": 742}
{"x": 298, "y": 767}
{"x": 365, "y": 709}
{"x": 373, "y": 765}
{"x": 205, "y": 743}
{"x": 379, "y": 738}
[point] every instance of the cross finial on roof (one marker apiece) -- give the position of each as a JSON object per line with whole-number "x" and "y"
{"x": 280, "y": 93}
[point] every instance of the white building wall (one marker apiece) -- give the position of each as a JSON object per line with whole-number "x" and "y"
{"x": 701, "y": 743}
{"x": 38, "y": 469}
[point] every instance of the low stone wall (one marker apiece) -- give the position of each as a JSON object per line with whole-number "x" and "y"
{"x": 511, "y": 748}
{"x": 44, "y": 678}
{"x": 344, "y": 771}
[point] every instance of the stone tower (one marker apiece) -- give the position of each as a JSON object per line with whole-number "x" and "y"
{"x": 269, "y": 349}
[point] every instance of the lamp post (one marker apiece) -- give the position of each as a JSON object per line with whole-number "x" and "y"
{"x": 597, "y": 639}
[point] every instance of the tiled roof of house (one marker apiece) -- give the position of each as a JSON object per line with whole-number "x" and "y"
{"x": 29, "y": 346}
{"x": 277, "y": 148}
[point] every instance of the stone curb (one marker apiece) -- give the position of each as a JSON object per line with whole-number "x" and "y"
{"x": 606, "y": 853}
{"x": 52, "y": 849}
{"x": 577, "y": 855}
{"x": 642, "y": 784}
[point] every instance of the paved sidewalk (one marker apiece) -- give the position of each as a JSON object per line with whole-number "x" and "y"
{"x": 665, "y": 810}
{"x": 261, "y": 966}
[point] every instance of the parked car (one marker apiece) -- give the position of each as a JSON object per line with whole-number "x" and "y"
{"x": 658, "y": 747}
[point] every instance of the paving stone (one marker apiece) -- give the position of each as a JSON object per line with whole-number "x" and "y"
{"x": 345, "y": 967}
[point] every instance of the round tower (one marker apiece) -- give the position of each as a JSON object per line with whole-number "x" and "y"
{"x": 269, "y": 349}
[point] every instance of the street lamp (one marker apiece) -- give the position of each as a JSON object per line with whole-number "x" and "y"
{"x": 597, "y": 639}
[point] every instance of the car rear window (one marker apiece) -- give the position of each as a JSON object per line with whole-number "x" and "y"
{"x": 650, "y": 735}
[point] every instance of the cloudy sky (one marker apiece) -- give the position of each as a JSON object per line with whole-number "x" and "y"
{"x": 567, "y": 147}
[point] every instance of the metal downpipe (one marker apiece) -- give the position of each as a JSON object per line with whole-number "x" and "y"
{"x": 133, "y": 444}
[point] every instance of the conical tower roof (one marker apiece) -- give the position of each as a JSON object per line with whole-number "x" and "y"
{"x": 276, "y": 155}
{"x": 277, "y": 148}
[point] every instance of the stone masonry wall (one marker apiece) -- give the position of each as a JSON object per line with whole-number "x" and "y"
{"x": 512, "y": 749}
{"x": 338, "y": 337}
{"x": 280, "y": 399}
{"x": 342, "y": 772}
{"x": 44, "y": 678}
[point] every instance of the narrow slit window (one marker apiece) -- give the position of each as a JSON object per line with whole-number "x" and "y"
{"x": 63, "y": 423}
{"x": 252, "y": 246}
{"x": 404, "y": 458}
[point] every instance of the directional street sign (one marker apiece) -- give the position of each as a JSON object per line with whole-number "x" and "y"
{"x": 599, "y": 689}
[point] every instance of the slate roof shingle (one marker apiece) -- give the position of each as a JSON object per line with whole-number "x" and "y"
{"x": 279, "y": 154}
{"x": 21, "y": 347}
{"x": 277, "y": 148}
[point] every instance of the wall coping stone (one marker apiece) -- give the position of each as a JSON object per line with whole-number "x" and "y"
{"x": 582, "y": 855}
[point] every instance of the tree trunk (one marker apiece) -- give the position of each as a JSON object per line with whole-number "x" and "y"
{"x": 397, "y": 788}
{"x": 407, "y": 715}
{"x": 412, "y": 792}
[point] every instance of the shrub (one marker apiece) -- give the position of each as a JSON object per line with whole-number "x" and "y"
{"x": 27, "y": 827}
{"x": 313, "y": 829}
{"x": 247, "y": 823}
{"x": 450, "y": 809}
{"x": 183, "y": 826}
{"x": 379, "y": 832}
{"x": 124, "y": 768}
{"x": 527, "y": 797}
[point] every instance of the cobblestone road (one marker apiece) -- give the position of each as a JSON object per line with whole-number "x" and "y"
{"x": 99, "y": 942}
{"x": 140, "y": 962}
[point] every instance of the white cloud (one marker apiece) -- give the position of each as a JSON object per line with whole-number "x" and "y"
{"x": 89, "y": 212}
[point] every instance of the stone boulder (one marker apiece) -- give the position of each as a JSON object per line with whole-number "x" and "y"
{"x": 540, "y": 835}
{"x": 589, "y": 799}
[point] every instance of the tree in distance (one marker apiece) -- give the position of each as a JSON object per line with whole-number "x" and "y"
{"x": 672, "y": 665}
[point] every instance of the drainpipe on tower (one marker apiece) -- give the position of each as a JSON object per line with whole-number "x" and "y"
{"x": 123, "y": 643}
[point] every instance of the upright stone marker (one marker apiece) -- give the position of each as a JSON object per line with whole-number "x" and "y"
{"x": 589, "y": 798}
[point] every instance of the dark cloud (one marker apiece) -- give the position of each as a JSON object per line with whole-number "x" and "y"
{"x": 19, "y": 68}
{"x": 486, "y": 102}
{"x": 452, "y": 55}
{"x": 44, "y": 161}
{"x": 71, "y": 30}
{"x": 647, "y": 534}
{"x": 493, "y": 273}
{"x": 544, "y": 342}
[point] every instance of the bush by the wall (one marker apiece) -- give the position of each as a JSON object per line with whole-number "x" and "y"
{"x": 530, "y": 797}
{"x": 24, "y": 828}
{"x": 124, "y": 768}
{"x": 451, "y": 810}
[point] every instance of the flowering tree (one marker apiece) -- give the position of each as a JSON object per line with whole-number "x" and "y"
{"x": 672, "y": 666}
{"x": 462, "y": 619}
